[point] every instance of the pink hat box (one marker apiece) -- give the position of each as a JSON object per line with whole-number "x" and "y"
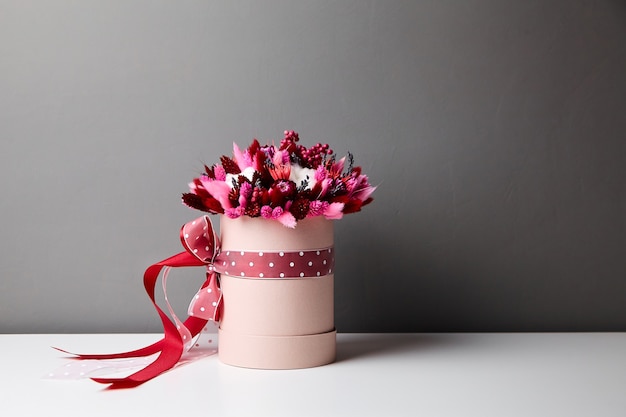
{"x": 273, "y": 322}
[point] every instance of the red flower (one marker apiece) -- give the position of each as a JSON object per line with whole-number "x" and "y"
{"x": 300, "y": 208}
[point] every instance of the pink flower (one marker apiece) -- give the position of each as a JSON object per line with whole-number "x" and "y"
{"x": 280, "y": 157}
{"x": 233, "y": 213}
{"x": 277, "y": 212}
{"x": 266, "y": 212}
{"x": 320, "y": 173}
{"x": 317, "y": 208}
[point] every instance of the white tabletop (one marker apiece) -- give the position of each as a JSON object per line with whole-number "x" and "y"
{"x": 506, "y": 374}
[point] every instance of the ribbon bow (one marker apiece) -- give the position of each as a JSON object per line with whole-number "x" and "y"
{"x": 202, "y": 247}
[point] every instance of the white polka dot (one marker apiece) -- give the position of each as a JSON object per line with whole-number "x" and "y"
{"x": 310, "y": 263}
{"x": 261, "y": 275}
{"x": 195, "y": 251}
{"x": 317, "y": 253}
{"x": 224, "y": 263}
{"x": 206, "y": 248}
{"x": 301, "y": 274}
{"x": 328, "y": 250}
{"x": 233, "y": 263}
{"x": 281, "y": 253}
{"x": 201, "y": 308}
{"x": 214, "y": 303}
{"x": 260, "y": 253}
{"x": 193, "y": 222}
{"x": 282, "y": 275}
{"x": 209, "y": 290}
{"x": 242, "y": 253}
{"x": 197, "y": 296}
{"x": 318, "y": 273}
{"x": 301, "y": 253}
{"x": 228, "y": 253}
{"x": 291, "y": 264}
{"x": 186, "y": 235}
{"x": 184, "y": 336}
{"x": 271, "y": 264}
{"x": 242, "y": 274}
{"x": 324, "y": 261}
{"x": 251, "y": 264}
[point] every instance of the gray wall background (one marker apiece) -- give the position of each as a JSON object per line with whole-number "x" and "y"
{"x": 495, "y": 130}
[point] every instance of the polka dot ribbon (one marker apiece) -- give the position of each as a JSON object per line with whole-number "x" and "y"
{"x": 202, "y": 248}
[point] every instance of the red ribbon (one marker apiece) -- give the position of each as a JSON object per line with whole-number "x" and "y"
{"x": 202, "y": 246}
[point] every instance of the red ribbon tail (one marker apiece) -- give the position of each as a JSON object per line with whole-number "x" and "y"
{"x": 145, "y": 351}
{"x": 171, "y": 347}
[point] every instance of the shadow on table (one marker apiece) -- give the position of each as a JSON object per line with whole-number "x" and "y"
{"x": 364, "y": 345}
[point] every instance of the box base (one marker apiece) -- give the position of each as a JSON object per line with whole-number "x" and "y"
{"x": 277, "y": 352}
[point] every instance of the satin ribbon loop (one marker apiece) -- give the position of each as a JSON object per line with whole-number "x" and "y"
{"x": 207, "y": 303}
{"x": 200, "y": 240}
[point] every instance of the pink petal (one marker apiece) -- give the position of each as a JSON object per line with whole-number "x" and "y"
{"x": 219, "y": 190}
{"x": 287, "y": 219}
{"x": 364, "y": 193}
{"x": 243, "y": 161}
{"x": 338, "y": 166}
{"x": 320, "y": 173}
{"x": 220, "y": 173}
{"x": 334, "y": 211}
{"x": 325, "y": 186}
